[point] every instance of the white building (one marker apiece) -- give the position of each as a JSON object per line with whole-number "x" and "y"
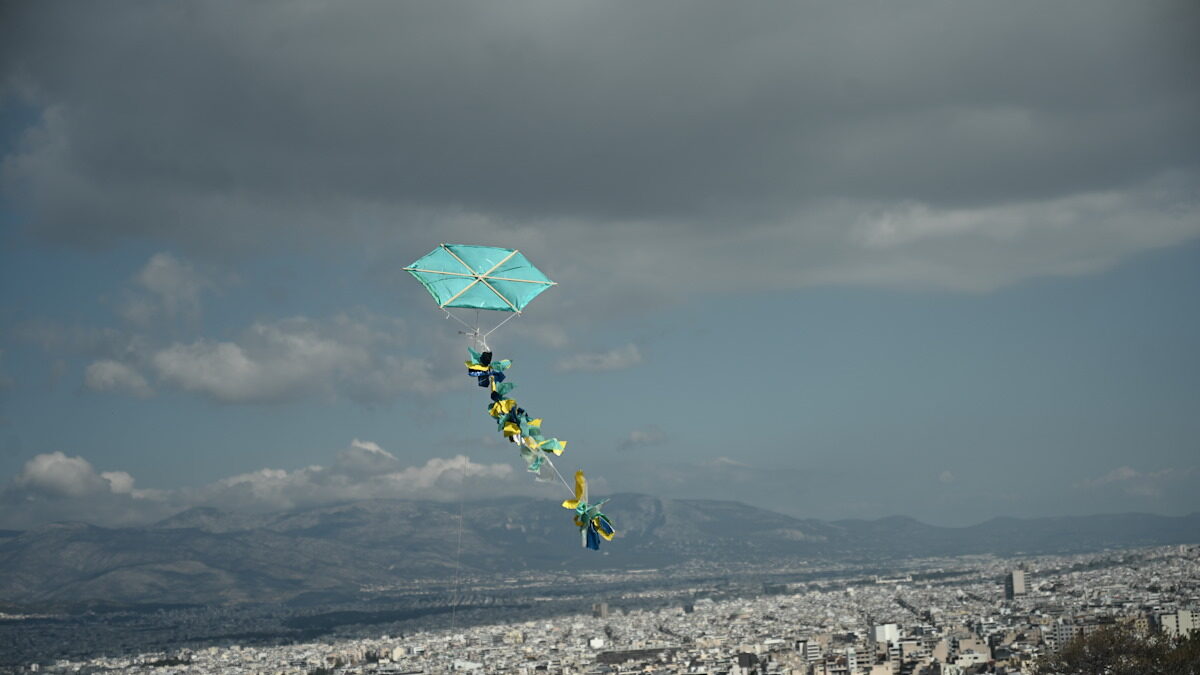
{"x": 888, "y": 632}
{"x": 1014, "y": 584}
{"x": 1178, "y": 624}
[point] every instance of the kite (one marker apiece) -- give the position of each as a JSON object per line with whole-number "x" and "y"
{"x": 461, "y": 276}
{"x": 479, "y": 277}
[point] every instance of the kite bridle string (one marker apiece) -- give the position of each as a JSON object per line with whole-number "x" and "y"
{"x": 478, "y": 337}
{"x": 451, "y": 316}
{"x": 510, "y": 318}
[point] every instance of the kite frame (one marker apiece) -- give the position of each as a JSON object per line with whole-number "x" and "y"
{"x": 479, "y": 277}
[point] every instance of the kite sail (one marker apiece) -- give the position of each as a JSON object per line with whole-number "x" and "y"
{"x": 479, "y": 277}
{"x": 500, "y": 279}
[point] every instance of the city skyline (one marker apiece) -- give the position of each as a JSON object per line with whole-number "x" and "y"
{"x": 945, "y": 616}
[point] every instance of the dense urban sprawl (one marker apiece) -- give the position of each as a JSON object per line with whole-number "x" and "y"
{"x": 932, "y": 617}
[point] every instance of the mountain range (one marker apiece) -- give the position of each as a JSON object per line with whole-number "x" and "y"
{"x": 206, "y": 556}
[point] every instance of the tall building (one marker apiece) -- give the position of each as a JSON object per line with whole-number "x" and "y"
{"x": 600, "y": 610}
{"x": 1014, "y": 584}
{"x": 809, "y": 649}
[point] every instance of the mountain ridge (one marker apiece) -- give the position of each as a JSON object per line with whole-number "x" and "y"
{"x": 204, "y": 555}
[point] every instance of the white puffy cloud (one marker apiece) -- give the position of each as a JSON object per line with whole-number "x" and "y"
{"x": 119, "y": 482}
{"x": 346, "y": 479}
{"x": 946, "y": 477}
{"x": 370, "y": 447}
{"x": 294, "y": 358}
{"x": 114, "y": 376}
{"x": 54, "y": 486}
{"x": 225, "y": 372}
{"x": 454, "y": 471}
{"x": 55, "y": 473}
{"x": 364, "y": 458}
{"x": 619, "y": 358}
{"x": 349, "y": 478}
{"x": 356, "y": 354}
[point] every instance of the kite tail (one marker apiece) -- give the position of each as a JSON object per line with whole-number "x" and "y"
{"x": 525, "y": 431}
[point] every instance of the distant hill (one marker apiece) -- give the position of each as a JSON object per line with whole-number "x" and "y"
{"x": 205, "y": 556}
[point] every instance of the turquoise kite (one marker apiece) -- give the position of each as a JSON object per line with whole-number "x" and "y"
{"x": 503, "y": 280}
{"x": 479, "y": 277}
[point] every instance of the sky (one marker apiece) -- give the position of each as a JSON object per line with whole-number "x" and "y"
{"x": 837, "y": 260}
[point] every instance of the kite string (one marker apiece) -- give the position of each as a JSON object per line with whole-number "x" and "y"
{"x": 474, "y": 333}
{"x": 457, "y": 558}
{"x": 570, "y": 490}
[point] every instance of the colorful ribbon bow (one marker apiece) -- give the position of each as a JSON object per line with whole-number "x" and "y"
{"x": 508, "y": 416}
{"x": 534, "y": 445}
{"x": 487, "y": 372}
{"x": 532, "y": 438}
{"x": 517, "y": 427}
{"x": 591, "y": 522}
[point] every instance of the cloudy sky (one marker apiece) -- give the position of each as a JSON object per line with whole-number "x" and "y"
{"x": 837, "y": 260}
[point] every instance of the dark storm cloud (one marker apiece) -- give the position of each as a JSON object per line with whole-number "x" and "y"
{"x": 816, "y": 130}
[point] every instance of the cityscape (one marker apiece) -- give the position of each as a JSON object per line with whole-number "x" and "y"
{"x": 580, "y": 337}
{"x": 936, "y": 616}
